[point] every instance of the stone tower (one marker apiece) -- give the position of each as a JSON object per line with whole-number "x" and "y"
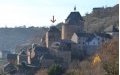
{"x": 52, "y": 35}
{"x": 73, "y": 23}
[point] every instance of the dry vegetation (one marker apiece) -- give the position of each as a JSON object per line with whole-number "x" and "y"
{"x": 42, "y": 72}
{"x": 95, "y": 22}
{"x": 109, "y": 65}
{"x": 110, "y": 57}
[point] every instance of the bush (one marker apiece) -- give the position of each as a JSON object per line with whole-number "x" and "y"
{"x": 55, "y": 70}
{"x": 110, "y": 57}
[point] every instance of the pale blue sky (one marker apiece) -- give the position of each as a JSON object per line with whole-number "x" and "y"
{"x": 39, "y": 12}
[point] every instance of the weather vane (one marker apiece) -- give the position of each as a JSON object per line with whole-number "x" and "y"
{"x": 53, "y": 19}
{"x": 75, "y": 8}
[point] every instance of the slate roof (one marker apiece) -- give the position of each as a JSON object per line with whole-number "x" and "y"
{"x": 53, "y": 29}
{"x": 40, "y": 49}
{"x": 74, "y": 18}
{"x": 45, "y": 52}
{"x": 111, "y": 28}
{"x": 84, "y": 34}
{"x": 23, "y": 53}
{"x": 69, "y": 41}
{"x": 104, "y": 35}
{"x": 65, "y": 45}
{"x": 90, "y": 38}
{"x": 65, "y": 42}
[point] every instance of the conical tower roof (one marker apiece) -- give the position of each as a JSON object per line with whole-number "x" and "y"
{"x": 74, "y": 18}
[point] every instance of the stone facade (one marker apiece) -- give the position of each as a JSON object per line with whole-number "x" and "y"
{"x": 52, "y": 35}
{"x": 69, "y": 30}
{"x": 23, "y": 57}
{"x": 73, "y": 23}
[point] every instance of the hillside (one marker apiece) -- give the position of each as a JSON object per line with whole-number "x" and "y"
{"x": 101, "y": 17}
{"x": 11, "y": 37}
{"x": 109, "y": 65}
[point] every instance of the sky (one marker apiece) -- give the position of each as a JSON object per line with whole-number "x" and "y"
{"x": 38, "y": 13}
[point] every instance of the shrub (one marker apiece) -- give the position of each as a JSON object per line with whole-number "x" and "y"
{"x": 55, "y": 70}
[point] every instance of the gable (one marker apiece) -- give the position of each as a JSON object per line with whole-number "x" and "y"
{"x": 75, "y": 38}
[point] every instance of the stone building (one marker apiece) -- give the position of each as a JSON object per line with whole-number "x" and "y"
{"x": 95, "y": 41}
{"x": 10, "y": 67}
{"x": 112, "y": 30}
{"x": 12, "y": 58}
{"x": 73, "y": 23}
{"x": 52, "y": 35}
{"x": 80, "y": 38}
{"x": 23, "y": 57}
{"x": 98, "y": 10}
{"x": 62, "y": 49}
